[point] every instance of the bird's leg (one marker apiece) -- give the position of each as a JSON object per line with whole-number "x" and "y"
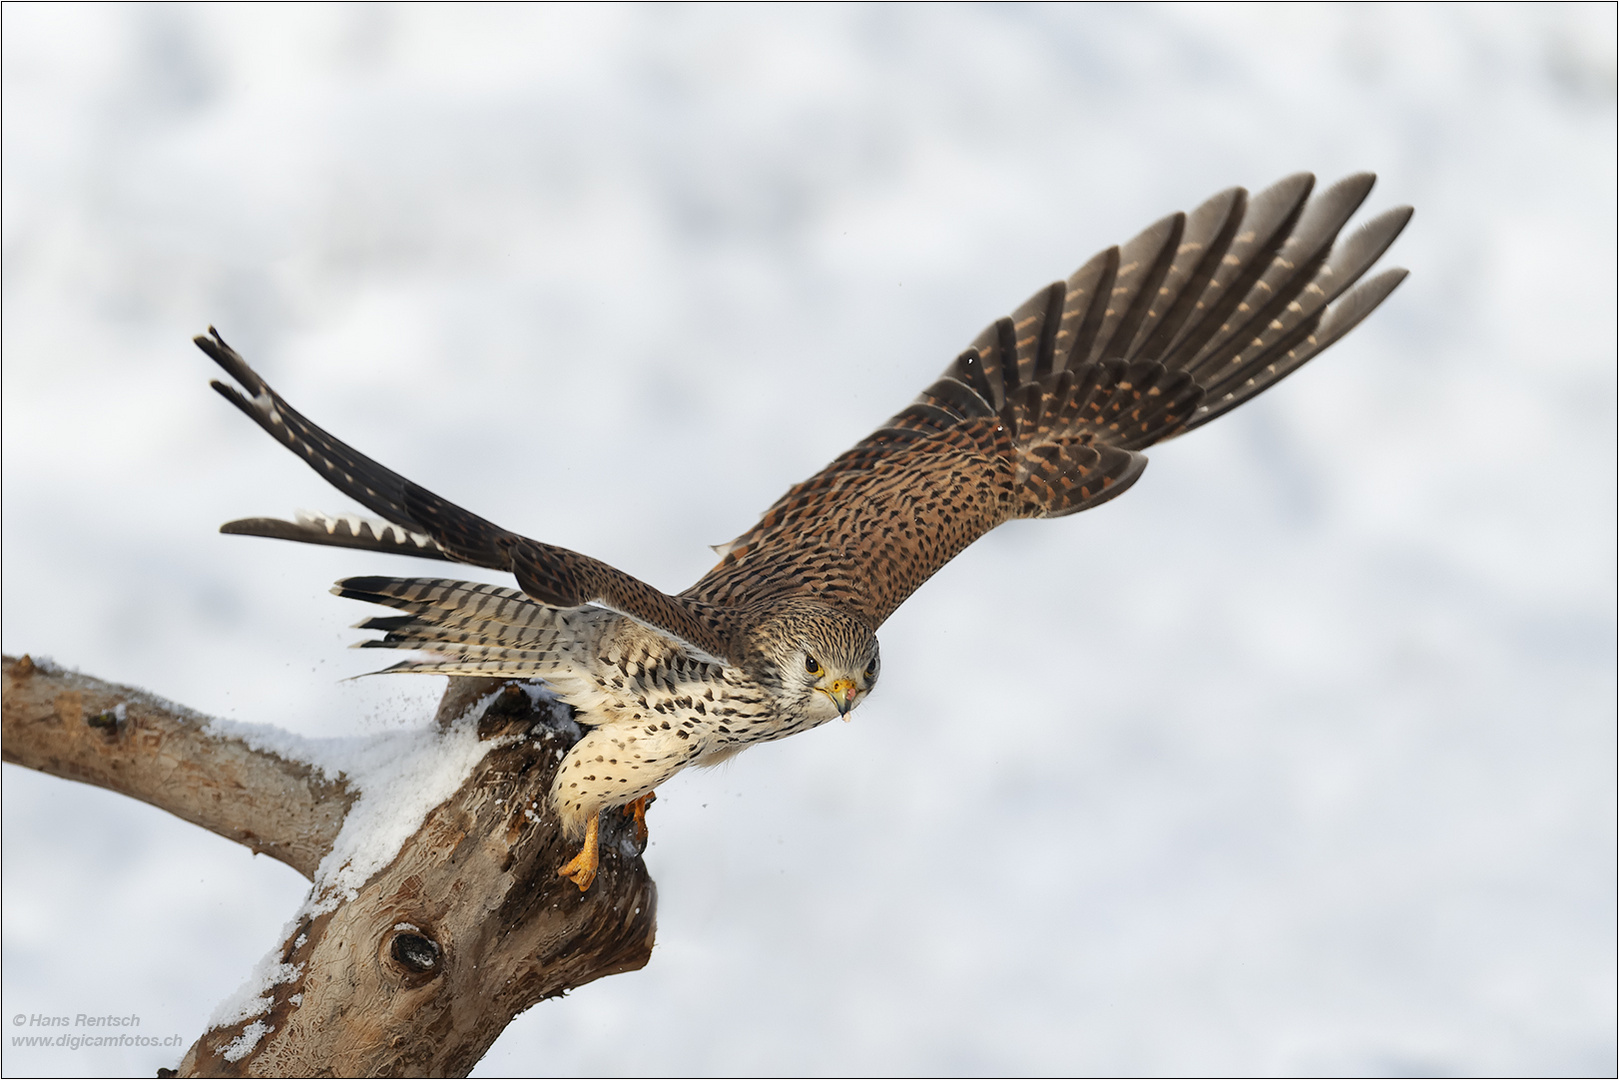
{"x": 637, "y": 810}
{"x": 581, "y": 869}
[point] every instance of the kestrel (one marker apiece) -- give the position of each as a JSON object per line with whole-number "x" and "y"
{"x": 1046, "y": 414}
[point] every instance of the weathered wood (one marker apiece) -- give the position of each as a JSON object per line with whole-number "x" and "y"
{"x": 420, "y": 970}
{"x": 127, "y": 740}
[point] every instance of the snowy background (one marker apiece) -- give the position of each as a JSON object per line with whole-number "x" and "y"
{"x": 1298, "y": 759}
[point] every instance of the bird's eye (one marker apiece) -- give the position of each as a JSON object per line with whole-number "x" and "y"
{"x": 812, "y": 665}
{"x": 871, "y": 669}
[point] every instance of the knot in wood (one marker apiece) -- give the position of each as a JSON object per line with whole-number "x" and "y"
{"x": 413, "y": 954}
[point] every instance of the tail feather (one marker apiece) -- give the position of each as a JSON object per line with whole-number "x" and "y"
{"x": 507, "y": 668}
{"x": 454, "y": 605}
{"x": 455, "y": 650}
{"x": 465, "y": 627}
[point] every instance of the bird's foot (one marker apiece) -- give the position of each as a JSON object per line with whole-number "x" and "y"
{"x": 637, "y": 810}
{"x": 581, "y": 869}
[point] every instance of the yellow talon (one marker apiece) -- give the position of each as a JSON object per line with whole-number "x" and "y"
{"x": 637, "y": 810}
{"x": 581, "y": 869}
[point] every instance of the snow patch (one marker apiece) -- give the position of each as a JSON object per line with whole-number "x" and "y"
{"x": 244, "y": 1043}
{"x": 401, "y": 778}
{"x": 253, "y": 997}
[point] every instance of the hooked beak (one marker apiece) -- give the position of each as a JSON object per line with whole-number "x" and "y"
{"x": 842, "y": 692}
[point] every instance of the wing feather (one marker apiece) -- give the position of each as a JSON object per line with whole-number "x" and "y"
{"x": 341, "y": 530}
{"x": 1047, "y": 413}
{"x": 550, "y": 574}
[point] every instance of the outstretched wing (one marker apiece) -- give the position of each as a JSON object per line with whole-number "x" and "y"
{"x": 418, "y": 522}
{"x": 1048, "y": 412}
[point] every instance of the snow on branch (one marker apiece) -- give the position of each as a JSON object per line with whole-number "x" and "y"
{"x": 436, "y": 913}
{"x": 219, "y": 776}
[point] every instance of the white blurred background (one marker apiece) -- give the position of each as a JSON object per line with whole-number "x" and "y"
{"x": 1298, "y": 759}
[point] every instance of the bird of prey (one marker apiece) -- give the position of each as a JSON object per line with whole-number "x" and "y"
{"x": 1046, "y": 414}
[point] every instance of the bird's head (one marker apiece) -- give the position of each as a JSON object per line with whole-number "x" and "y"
{"x": 822, "y": 662}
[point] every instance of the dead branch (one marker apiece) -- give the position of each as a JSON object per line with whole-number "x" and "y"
{"x": 417, "y": 971}
{"x": 129, "y": 741}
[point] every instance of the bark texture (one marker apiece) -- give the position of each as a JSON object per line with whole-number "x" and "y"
{"x": 129, "y": 741}
{"x": 420, "y": 970}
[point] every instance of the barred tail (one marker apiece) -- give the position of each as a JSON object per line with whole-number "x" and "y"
{"x": 468, "y": 628}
